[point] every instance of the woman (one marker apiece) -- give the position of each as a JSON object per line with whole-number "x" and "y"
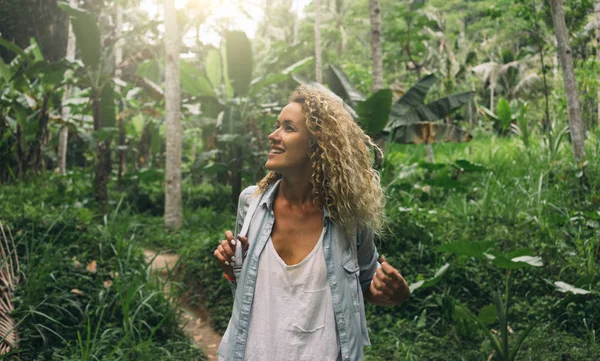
{"x": 311, "y": 257}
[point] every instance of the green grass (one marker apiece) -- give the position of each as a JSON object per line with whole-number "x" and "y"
{"x": 489, "y": 190}
{"x": 505, "y": 194}
{"x": 67, "y": 312}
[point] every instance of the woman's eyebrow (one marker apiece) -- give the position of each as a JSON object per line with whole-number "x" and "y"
{"x": 286, "y": 121}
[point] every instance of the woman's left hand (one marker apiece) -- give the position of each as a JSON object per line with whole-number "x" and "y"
{"x": 388, "y": 286}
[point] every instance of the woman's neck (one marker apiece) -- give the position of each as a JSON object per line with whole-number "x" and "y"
{"x": 295, "y": 190}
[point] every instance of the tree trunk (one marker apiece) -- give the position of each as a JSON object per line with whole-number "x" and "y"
{"x": 266, "y": 25}
{"x": 35, "y": 153}
{"x": 597, "y": 12}
{"x": 296, "y": 30}
{"x": 102, "y": 170}
{"x": 63, "y": 136}
{"x": 145, "y": 145}
{"x": 173, "y": 211}
{"x": 118, "y": 72}
{"x": 318, "y": 60}
{"x": 375, "y": 12}
{"x": 571, "y": 90}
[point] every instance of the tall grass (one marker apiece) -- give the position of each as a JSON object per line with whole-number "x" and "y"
{"x": 86, "y": 291}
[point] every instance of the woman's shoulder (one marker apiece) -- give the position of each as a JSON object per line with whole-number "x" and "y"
{"x": 247, "y": 193}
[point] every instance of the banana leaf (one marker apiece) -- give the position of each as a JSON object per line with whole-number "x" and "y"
{"x": 340, "y": 84}
{"x": 239, "y": 61}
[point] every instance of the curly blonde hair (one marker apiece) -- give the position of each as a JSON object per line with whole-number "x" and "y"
{"x": 342, "y": 178}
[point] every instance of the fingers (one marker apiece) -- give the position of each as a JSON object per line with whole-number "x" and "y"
{"x": 391, "y": 272}
{"x": 384, "y": 284}
{"x": 230, "y": 238}
{"x": 244, "y": 241}
{"x": 388, "y": 282}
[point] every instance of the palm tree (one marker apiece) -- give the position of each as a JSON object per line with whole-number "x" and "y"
{"x": 511, "y": 74}
{"x": 571, "y": 91}
{"x": 63, "y": 136}
{"x": 375, "y": 16}
{"x": 173, "y": 211}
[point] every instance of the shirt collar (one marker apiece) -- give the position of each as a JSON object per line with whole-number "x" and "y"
{"x": 269, "y": 197}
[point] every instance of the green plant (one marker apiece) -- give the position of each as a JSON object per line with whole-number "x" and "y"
{"x": 500, "y": 309}
{"x": 9, "y": 279}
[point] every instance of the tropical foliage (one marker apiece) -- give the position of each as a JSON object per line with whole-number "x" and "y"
{"x": 498, "y": 237}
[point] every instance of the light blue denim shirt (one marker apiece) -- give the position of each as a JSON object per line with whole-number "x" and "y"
{"x": 347, "y": 279}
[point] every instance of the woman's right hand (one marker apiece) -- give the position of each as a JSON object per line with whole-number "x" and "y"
{"x": 225, "y": 253}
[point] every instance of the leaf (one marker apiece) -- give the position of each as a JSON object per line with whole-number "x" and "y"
{"x": 338, "y": 83}
{"x": 92, "y": 267}
{"x": 5, "y": 71}
{"x": 150, "y": 88}
{"x": 374, "y": 112}
{"x": 214, "y": 71}
{"x": 467, "y": 166}
{"x": 149, "y": 69}
{"x": 532, "y": 261}
{"x": 34, "y": 48}
{"x": 565, "y": 287}
{"x": 415, "y": 96}
{"x": 430, "y": 282}
{"x": 443, "y": 106}
{"x": 487, "y": 314}
{"x": 14, "y": 48}
{"x": 155, "y": 139}
{"x": 78, "y": 292}
{"x": 215, "y": 168}
{"x": 87, "y": 35}
{"x": 464, "y": 248}
{"x": 239, "y": 61}
{"x": 465, "y": 313}
{"x": 504, "y": 113}
{"x": 297, "y": 65}
{"x": 193, "y": 81}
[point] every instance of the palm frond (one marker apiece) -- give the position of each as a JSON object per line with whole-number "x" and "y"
{"x": 9, "y": 277}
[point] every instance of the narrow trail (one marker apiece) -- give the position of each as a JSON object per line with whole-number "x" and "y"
{"x": 194, "y": 320}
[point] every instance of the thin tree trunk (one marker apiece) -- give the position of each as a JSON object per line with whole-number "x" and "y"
{"x": 63, "y": 136}
{"x": 571, "y": 90}
{"x": 173, "y": 211}
{"x": 296, "y": 24}
{"x": 318, "y": 60}
{"x": 118, "y": 72}
{"x": 102, "y": 169}
{"x": 597, "y": 13}
{"x": 492, "y": 88}
{"x": 546, "y": 125}
{"x": 266, "y": 25}
{"x": 377, "y": 67}
{"x": 35, "y": 153}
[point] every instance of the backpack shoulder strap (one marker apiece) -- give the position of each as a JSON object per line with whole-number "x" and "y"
{"x": 239, "y": 255}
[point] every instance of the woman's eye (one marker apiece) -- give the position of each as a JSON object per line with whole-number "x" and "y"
{"x": 274, "y": 127}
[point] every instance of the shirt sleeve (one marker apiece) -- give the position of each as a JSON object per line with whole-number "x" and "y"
{"x": 367, "y": 257}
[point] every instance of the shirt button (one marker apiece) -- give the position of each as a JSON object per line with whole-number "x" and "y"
{"x": 347, "y": 357}
{"x": 334, "y": 283}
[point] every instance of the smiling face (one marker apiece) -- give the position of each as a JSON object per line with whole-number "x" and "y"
{"x": 290, "y": 143}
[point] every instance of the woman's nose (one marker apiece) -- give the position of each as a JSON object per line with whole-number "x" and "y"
{"x": 274, "y": 136}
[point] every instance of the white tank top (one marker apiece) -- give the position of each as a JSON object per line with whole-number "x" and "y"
{"x": 292, "y": 314}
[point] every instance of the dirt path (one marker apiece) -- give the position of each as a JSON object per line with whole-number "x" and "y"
{"x": 194, "y": 321}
